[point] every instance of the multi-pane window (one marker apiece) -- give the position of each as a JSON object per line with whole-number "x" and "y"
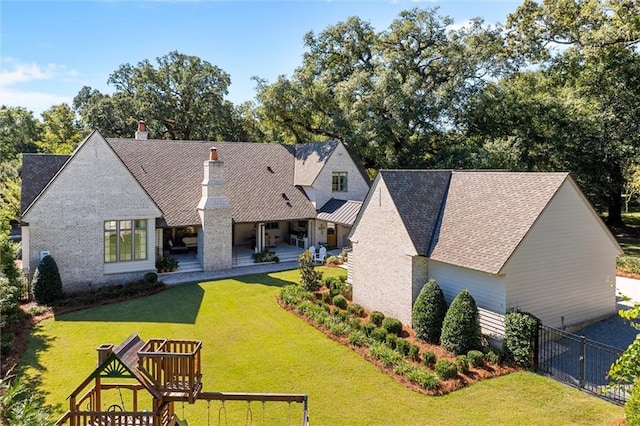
{"x": 339, "y": 181}
{"x": 125, "y": 240}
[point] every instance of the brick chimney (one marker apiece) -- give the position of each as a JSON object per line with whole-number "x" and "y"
{"x": 215, "y": 245}
{"x": 141, "y": 133}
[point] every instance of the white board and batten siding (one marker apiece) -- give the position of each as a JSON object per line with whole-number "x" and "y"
{"x": 564, "y": 269}
{"x": 487, "y": 290}
{"x": 382, "y": 261}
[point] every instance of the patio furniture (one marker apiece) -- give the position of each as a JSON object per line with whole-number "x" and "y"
{"x": 320, "y": 256}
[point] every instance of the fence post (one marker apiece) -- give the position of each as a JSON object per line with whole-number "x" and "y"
{"x": 536, "y": 347}
{"x": 582, "y": 363}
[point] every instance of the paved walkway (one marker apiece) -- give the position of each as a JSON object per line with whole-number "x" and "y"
{"x": 630, "y": 288}
{"x": 178, "y": 278}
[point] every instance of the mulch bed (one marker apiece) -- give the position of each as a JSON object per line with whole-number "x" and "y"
{"x": 445, "y": 386}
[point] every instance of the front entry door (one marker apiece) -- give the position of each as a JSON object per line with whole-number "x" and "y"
{"x": 332, "y": 235}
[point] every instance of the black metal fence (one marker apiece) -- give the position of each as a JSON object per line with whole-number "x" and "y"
{"x": 578, "y": 361}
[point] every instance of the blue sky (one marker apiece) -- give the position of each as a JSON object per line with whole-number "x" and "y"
{"x": 51, "y": 49}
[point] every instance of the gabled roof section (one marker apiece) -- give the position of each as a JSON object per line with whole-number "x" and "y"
{"x": 488, "y": 214}
{"x": 40, "y": 168}
{"x": 259, "y": 178}
{"x": 310, "y": 158}
{"x": 343, "y": 212}
{"x": 419, "y": 196}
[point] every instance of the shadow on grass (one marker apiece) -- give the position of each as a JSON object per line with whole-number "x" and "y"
{"x": 264, "y": 279}
{"x": 179, "y": 304}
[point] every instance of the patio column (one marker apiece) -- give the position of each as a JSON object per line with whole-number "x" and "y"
{"x": 259, "y": 237}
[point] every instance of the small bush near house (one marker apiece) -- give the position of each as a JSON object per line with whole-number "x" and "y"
{"x": 47, "y": 284}
{"x": 326, "y": 298}
{"x": 150, "y": 277}
{"x": 429, "y": 311}
{"x": 293, "y": 295}
{"x": 340, "y": 301}
{"x": 402, "y": 346}
{"x": 492, "y": 356}
{"x": 368, "y": 328}
{"x": 520, "y": 334}
{"x": 355, "y": 323}
{"x": 462, "y": 363}
{"x": 632, "y": 406}
{"x": 391, "y": 340}
{"x": 429, "y": 358}
{"x": 379, "y": 334}
{"x": 358, "y": 338}
{"x": 356, "y": 310}
{"x": 476, "y": 358}
{"x": 377, "y": 317}
{"x": 424, "y": 379}
{"x": 9, "y": 314}
{"x": 414, "y": 352}
{"x": 334, "y": 261}
{"x": 446, "y": 369}
{"x": 461, "y": 325}
{"x": 392, "y": 325}
{"x": 310, "y": 279}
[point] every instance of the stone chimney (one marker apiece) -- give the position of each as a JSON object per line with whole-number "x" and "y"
{"x": 141, "y": 133}
{"x": 215, "y": 239}
{"x": 103, "y": 353}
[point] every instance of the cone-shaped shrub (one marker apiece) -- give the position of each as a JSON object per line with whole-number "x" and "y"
{"x": 461, "y": 326}
{"x": 47, "y": 285}
{"x": 428, "y": 312}
{"x": 310, "y": 279}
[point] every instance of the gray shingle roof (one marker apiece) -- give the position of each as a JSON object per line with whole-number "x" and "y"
{"x": 487, "y": 215}
{"x": 418, "y": 196}
{"x": 310, "y": 159}
{"x": 259, "y": 178}
{"x": 343, "y": 212}
{"x": 40, "y": 169}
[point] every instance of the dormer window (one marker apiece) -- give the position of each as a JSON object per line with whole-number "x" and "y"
{"x": 339, "y": 182}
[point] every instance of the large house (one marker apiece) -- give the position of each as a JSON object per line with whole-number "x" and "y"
{"x": 528, "y": 241}
{"x": 107, "y": 212}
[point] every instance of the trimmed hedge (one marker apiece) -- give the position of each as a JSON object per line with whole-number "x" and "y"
{"x": 429, "y": 358}
{"x": 446, "y": 369}
{"x": 47, "y": 284}
{"x": 461, "y": 325}
{"x": 377, "y": 317}
{"x": 392, "y": 325}
{"x": 429, "y": 311}
{"x": 340, "y": 301}
{"x": 520, "y": 334}
{"x": 475, "y": 358}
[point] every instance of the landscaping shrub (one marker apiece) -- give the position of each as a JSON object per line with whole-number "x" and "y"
{"x": 310, "y": 279}
{"x": 340, "y": 301}
{"x": 379, "y": 334}
{"x": 422, "y": 378}
{"x": 462, "y": 363}
{"x": 9, "y": 313}
{"x": 492, "y": 356}
{"x": 402, "y": 346}
{"x": 355, "y": 323}
{"x": 47, "y": 284}
{"x": 385, "y": 354}
{"x": 335, "y": 285}
{"x": 446, "y": 369}
{"x": 293, "y": 295}
{"x": 358, "y": 338}
{"x": 8, "y": 267}
{"x": 461, "y": 325}
{"x": 377, "y": 317}
{"x": 334, "y": 261}
{"x": 265, "y": 256}
{"x": 150, "y": 277}
{"x": 429, "y": 311}
{"x": 368, "y": 328}
{"x": 630, "y": 264}
{"x": 414, "y": 352}
{"x": 392, "y": 325}
{"x": 476, "y": 358}
{"x": 429, "y": 359}
{"x": 520, "y": 334}
{"x": 391, "y": 340}
{"x": 632, "y": 406}
{"x": 356, "y": 310}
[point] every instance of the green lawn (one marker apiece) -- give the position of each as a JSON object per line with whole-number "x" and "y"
{"x": 250, "y": 344}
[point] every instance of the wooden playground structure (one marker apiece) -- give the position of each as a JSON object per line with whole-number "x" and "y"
{"x": 154, "y": 375}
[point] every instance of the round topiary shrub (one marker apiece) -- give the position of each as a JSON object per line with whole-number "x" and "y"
{"x": 391, "y": 340}
{"x": 446, "y": 369}
{"x": 476, "y": 358}
{"x": 340, "y": 301}
{"x": 462, "y": 363}
{"x": 429, "y": 359}
{"x": 47, "y": 284}
{"x": 402, "y": 346}
{"x": 368, "y": 328}
{"x": 492, "y": 356}
{"x": 356, "y": 310}
{"x": 379, "y": 334}
{"x": 377, "y": 317}
{"x": 150, "y": 277}
{"x": 461, "y": 325}
{"x": 392, "y": 325}
{"x": 429, "y": 311}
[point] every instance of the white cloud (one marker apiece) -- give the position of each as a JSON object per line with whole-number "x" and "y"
{"x": 14, "y": 72}
{"x": 37, "y": 102}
